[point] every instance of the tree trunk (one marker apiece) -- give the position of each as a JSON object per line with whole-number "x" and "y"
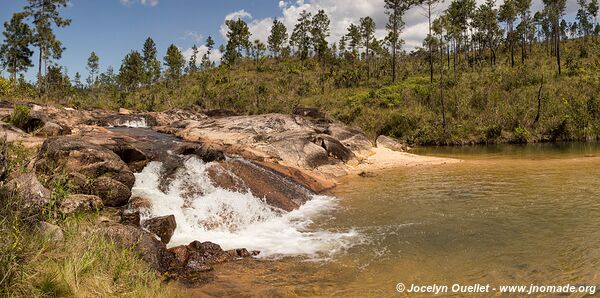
{"x": 558, "y": 45}
{"x": 539, "y": 109}
{"x": 393, "y": 63}
{"x": 429, "y": 43}
{"x": 442, "y": 89}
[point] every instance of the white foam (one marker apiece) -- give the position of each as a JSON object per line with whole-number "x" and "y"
{"x": 205, "y": 212}
{"x": 137, "y": 123}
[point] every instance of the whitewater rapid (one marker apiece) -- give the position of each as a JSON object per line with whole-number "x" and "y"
{"x": 206, "y": 212}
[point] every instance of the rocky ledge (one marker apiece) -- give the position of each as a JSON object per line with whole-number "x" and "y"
{"x": 285, "y": 159}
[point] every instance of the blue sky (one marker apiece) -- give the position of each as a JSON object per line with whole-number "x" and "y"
{"x": 112, "y": 28}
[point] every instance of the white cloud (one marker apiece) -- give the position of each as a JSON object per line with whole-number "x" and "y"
{"x": 215, "y": 55}
{"x": 343, "y": 12}
{"x": 150, "y": 3}
{"x": 192, "y": 35}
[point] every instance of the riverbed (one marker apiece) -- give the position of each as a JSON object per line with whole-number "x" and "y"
{"x": 506, "y": 215}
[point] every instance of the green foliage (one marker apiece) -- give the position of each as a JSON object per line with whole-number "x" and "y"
{"x": 20, "y": 116}
{"x": 15, "y": 54}
{"x": 174, "y": 62}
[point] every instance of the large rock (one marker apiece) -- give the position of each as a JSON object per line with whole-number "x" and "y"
{"x": 32, "y": 195}
{"x": 80, "y": 203}
{"x": 200, "y": 256}
{"x": 153, "y": 251}
{"x": 52, "y": 233}
{"x": 202, "y": 151}
{"x": 351, "y": 137}
{"x": 51, "y": 129}
{"x": 163, "y": 227}
{"x": 391, "y": 143}
{"x": 307, "y": 140}
{"x": 96, "y": 170}
{"x": 277, "y": 189}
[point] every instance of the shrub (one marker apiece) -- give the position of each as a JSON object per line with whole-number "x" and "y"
{"x": 20, "y": 116}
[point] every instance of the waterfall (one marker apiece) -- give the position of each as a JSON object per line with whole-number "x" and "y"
{"x": 207, "y": 212}
{"x": 132, "y": 123}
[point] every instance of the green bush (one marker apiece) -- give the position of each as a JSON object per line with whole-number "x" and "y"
{"x": 20, "y": 116}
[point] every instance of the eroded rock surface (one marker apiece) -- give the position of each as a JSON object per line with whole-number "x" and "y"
{"x": 153, "y": 251}
{"x": 95, "y": 170}
{"x": 30, "y": 193}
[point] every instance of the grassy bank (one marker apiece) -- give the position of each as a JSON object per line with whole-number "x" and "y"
{"x": 85, "y": 264}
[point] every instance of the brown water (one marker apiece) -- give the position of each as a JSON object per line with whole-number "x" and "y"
{"x": 507, "y": 215}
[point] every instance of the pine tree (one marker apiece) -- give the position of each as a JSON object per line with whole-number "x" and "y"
{"x": 92, "y": 66}
{"x": 508, "y": 14}
{"x": 555, "y": 10}
{"x": 395, "y": 9}
{"x": 151, "y": 63}
{"x": 206, "y": 63}
{"x": 131, "y": 73}
{"x": 15, "y": 54}
{"x": 77, "y": 81}
{"x": 238, "y": 39}
{"x": 174, "y": 62}
{"x": 301, "y": 35}
{"x": 523, "y": 9}
{"x": 44, "y": 14}
{"x": 429, "y": 5}
{"x": 258, "y": 50}
{"x": 593, "y": 11}
{"x": 367, "y": 32}
{"x": 193, "y": 63}
{"x": 277, "y": 38}
{"x": 354, "y": 39}
{"x": 319, "y": 32}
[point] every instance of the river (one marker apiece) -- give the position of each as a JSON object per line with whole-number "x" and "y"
{"x": 506, "y": 215}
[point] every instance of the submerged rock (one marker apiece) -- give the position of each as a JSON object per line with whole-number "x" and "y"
{"x": 163, "y": 227}
{"x": 200, "y": 256}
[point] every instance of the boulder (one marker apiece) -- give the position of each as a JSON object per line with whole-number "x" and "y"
{"x": 131, "y": 218}
{"x": 351, "y": 137}
{"x": 50, "y": 129}
{"x": 200, "y": 256}
{"x": 391, "y": 143}
{"x": 153, "y": 251}
{"x": 95, "y": 170}
{"x": 163, "y": 227}
{"x": 80, "y": 203}
{"x": 124, "y": 111}
{"x": 334, "y": 147}
{"x": 112, "y": 192}
{"x": 32, "y": 194}
{"x": 139, "y": 203}
{"x": 52, "y": 233}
